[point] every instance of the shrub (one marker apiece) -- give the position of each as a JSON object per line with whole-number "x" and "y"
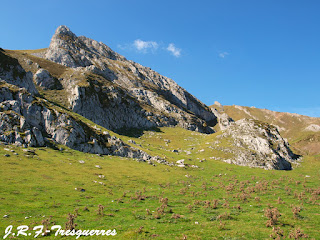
{"x": 273, "y": 215}
{"x": 297, "y": 234}
{"x": 277, "y": 233}
{"x": 296, "y": 211}
{"x": 70, "y": 224}
{"x": 100, "y": 209}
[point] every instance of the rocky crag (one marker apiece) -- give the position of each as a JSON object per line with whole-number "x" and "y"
{"x": 302, "y": 132}
{"x": 50, "y": 96}
{"x": 29, "y": 121}
{"x": 258, "y": 144}
{"x": 121, "y": 94}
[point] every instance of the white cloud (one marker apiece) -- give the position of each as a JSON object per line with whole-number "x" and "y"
{"x": 175, "y": 51}
{"x": 150, "y": 46}
{"x": 223, "y": 54}
{"x": 144, "y": 46}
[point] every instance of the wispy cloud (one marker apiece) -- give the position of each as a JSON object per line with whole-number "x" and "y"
{"x": 144, "y": 46}
{"x": 223, "y": 54}
{"x": 174, "y": 50}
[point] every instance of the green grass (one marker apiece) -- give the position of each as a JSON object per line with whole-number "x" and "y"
{"x": 43, "y": 186}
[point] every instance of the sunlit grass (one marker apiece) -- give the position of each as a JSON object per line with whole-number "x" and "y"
{"x": 43, "y": 187}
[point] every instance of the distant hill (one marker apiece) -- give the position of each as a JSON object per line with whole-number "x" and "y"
{"x": 302, "y": 132}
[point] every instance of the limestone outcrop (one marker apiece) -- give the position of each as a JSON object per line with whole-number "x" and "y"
{"x": 26, "y": 120}
{"x": 12, "y": 72}
{"x": 170, "y": 104}
{"x": 43, "y": 94}
{"x": 258, "y": 144}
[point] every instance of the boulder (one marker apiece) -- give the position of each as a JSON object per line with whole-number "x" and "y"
{"x": 43, "y": 79}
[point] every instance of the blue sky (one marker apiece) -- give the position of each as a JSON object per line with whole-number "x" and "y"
{"x": 262, "y": 53}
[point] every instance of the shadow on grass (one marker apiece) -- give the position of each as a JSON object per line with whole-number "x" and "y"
{"x": 135, "y": 132}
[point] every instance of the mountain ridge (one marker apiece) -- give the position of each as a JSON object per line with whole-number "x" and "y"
{"x": 300, "y": 130}
{"x": 87, "y": 78}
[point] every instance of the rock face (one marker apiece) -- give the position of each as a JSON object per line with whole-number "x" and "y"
{"x": 313, "y": 128}
{"x": 29, "y": 121}
{"x": 154, "y": 100}
{"x": 43, "y": 79}
{"x": 302, "y": 132}
{"x": 223, "y": 119}
{"x": 72, "y": 51}
{"x": 12, "y": 72}
{"x": 106, "y": 88}
{"x": 258, "y": 144}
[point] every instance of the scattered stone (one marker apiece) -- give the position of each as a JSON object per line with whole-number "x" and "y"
{"x": 180, "y": 161}
{"x": 98, "y": 166}
{"x": 81, "y": 161}
{"x": 131, "y": 141}
{"x": 313, "y": 128}
{"x": 29, "y": 62}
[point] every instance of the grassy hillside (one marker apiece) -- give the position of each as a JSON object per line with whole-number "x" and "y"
{"x": 294, "y": 127}
{"x": 141, "y": 201}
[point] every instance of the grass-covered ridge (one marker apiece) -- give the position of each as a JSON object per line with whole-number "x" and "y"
{"x": 294, "y": 127}
{"x": 141, "y": 201}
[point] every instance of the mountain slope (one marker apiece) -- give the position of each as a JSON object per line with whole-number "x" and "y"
{"x": 171, "y": 105}
{"x": 302, "y": 132}
{"x": 77, "y": 76}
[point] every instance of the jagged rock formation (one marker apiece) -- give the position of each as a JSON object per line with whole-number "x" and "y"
{"x": 26, "y": 120}
{"x": 144, "y": 88}
{"x": 258, "y": 144}
{"x": 44, "y": 79}
{"x": 301, "y": 131}
{"x": 224, "y": 119}
{"x": 12, "y": 72}
{"x": 42, "y": 92}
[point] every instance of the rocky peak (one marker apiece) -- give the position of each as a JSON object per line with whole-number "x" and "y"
{"x": 72, "y": 51}
{"x": 146, "y": 86}
{"x": 63, "y": 30}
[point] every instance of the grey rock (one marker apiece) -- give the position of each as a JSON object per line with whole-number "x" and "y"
{"x": 34, "y": 120}
{"x": 224, "y": 119}
{"x": 180, "y": 161}
{"x": 258, "y": 144}
{"x": 12, "y": 72}
{"x": 43, "y": 79}
{"x": 134, "y": 86}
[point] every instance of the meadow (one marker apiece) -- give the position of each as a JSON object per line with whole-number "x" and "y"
{"x": 215, "y": 200}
